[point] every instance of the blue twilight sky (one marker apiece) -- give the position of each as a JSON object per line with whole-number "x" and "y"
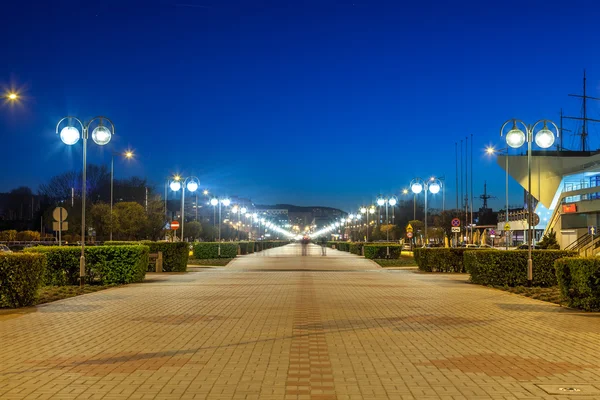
{"x": 305, "y": 102}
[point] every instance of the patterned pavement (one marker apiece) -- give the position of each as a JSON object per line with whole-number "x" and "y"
{"x": 282, "y": 326}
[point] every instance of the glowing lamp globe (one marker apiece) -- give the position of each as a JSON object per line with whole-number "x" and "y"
{"x": 544, "y": 138}
{"x": 263, "y": 220}
{"x": 226, "y": 202}
{"x": 244, "y": 210}
{"x": 351, "y": 216}
{"x": 416, "y": 188}
{"x": 434, "y": 187}
{"x": 214, "y": 202}
{"x": 255, "y": 215}
{"x": 363, "y": 210}
{"x": 372, "y": 210}
{"x": 175, "y": 186}
{"x": 101, "y": 135}
{"x": 69, "y": 135}
{"x": 234, "y": 209}
{"x": 380, "y": 201}
{"x": 393, "y": 202}
{"x": 192, "y": 186}
{"x": 515, "y": 138}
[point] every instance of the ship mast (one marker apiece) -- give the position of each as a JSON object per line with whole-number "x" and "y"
{"x": 584, "y": 118}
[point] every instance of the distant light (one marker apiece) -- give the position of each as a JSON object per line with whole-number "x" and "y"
{"x": 434, "y": 187}
{"x": 372, "y": 210}
{"x": 69, "y": 135}
{"x": 12, "y": 96}
{"x": 243, "y": 210}
{"x": 101, "y": 135}
{"x": 214, "y": 201}
{"x": 226, "y": 202}
{"x": 404, "y": 191}
{"x": 393, "y": 201}
{"x": 177, "y": 177}
{"x": 255, "y": 215}
{"x": 175, "y": 186}
{"x": 490, "y": 150}
{"x": 205, "y": 192}
{"x": 128, "y": 154}
{"x": 380, "y": 201}
{"x": 234, "y": 209}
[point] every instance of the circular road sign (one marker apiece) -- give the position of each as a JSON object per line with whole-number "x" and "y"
{"x": 455, "y": 222}
{"x": 174, "y": 225}
{"x": 59, "y": 214}
{"x": 409, "y": 235}
{"x": 536, "y": 219}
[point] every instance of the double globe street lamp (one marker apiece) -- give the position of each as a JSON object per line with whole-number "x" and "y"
{"x": 70, "y": 135}
{"x": 214, "y": 202}
{"x": 190, "y": 183}
{"x": 433, "y": 185}
{"x": 367, "y": 211}
{"x": 516, "y": 138}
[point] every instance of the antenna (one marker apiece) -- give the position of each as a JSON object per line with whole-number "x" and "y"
{"x": 485, "y": 197}
{"x": 584, "y": 118}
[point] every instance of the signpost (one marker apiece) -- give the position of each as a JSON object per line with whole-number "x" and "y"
{"x": 60, "y": 215}
{"x": 535, "y": 220}
{"x": 409, "y": 234}
{"x": 592, "y": 230}
{"x": 455, "y": 229}
{"x": 174, "y": 225}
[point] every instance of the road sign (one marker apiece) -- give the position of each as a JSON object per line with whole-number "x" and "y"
{"x": 174, "y": 225}
{"x": 456, "y": 229}
{"x": 492, "y": 232}
{"x": 536, "y": 220}
{"x": 409, "y": 235}
{"x": 59, "y": 214}
{"x": 409, "y": 228}
{"x": 57, "y": 225}
{"x": 455, "y": 222}
{"x": 593, "y": 230}
{"x": 507, "y": 227}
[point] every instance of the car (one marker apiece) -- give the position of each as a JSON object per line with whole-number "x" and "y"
{"x": 471, "y": 246}
{"x": 485, "y": 246}
{"x": 4, "y": 249}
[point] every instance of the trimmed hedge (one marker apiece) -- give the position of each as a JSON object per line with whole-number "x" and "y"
{"x": 380, "y": 250}
{"x": 206, "y": 250}
{"x": 343, "y": 246}
{"x": 579, "y": 281}
{"x": 356, "y": 248}
{"x": 105, "y": 264}
{"x": 509, "y": 267}
{"x": 441, "y": 259}
{"x": 21, "y": 275}
{"x": 175, "y": 254}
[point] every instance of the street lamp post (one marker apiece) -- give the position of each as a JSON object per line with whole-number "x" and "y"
{"x": 128, "y": 154}
{"x": 70, "y": 135}
{"x": 190, "y": 183}
{"x": 363, "y": 210}
{"x": 515, "y": 138}
{"x": 433, "y": 185}
{"x": 490, "y": 150}
{"x": 226, "y": 203}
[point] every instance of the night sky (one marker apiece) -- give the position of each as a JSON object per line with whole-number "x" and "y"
{"x": 304, "y": 102}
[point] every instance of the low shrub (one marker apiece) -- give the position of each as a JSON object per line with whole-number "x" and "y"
{"x": 343, "y": 246}
{"x": 440, "y": 259}
{"x": 21, "y": 275}
{"x": 175, "y": 254}
{"x": 250, "y": 246}
{"x": 509, "y": 267}
{"x": 579, "y": 281}
{"x": 205, "y": 250}
{"x": 356, "y": 248}
{"x": 107, "y": 265}
{"x": 373, "y": 251}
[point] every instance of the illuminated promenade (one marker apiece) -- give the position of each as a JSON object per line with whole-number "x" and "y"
{"x": 282, "y": 326}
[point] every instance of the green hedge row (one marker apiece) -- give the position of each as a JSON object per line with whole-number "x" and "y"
{"x": 380, "y": 250}
{"x": 206, "y": 250}
{"x": 246, "y": 247}
{"x": 175, "y": 254}
{"x": 579, "y": 281}
{"x": 509, "y": 267}
{"x": 21, "y": 275}
{"x": 104, "y": 264}
{"x": 441, "y": 259}
{"x": 356, "y": 248}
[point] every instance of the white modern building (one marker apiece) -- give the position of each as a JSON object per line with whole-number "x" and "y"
{"x": 566, "y": 187}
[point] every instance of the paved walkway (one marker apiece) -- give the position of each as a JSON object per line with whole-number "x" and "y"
{"x": 320, "y": 335}
{"x": 290, "y": 258}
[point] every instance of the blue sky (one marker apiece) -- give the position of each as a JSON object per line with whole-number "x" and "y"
{"x": 304, "y": 102}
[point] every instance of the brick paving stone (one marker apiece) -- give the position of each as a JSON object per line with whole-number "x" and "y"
{"x": 276, "y": 325}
